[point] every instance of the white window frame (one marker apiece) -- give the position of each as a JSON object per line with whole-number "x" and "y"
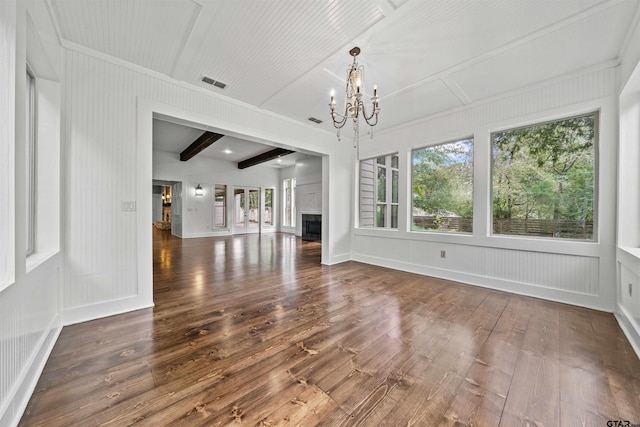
{"x": 411, "y": 217}
{"x": 388, "y": 204}
{"x": 224, "y": 206}
{"x": 273, "y": 207}
{"x": 31, "y": 161}
{"x": 596, "y": 165}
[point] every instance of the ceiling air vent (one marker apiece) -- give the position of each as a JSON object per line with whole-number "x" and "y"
{"x": 314, "y": 120}
{"x": 216, "y": 83}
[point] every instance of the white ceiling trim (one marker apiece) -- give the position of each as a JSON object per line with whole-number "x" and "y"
{"x": 385, "y": 6}
{"x": 155, "y": 74}
{"x": 314, "y": 67}
{"x": 630, "y": 31}
{"x": 455, "y": 88}
{"x": 444, "y": 74}
{"x": 196, "y": 37}
{"x": 187, "y": 37}
{"x": 584, "y": 71}
{"x": 54, "y": 20}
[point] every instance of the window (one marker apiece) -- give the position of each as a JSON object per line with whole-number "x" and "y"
{"x": 220, "y": 206}
{"x": 268, "y": 207}
{"x": 543, "y": 179}
{"x": 379, "y": 192}
{"x": 442, "y": 187}
{"x": 289, "y": 202}
{"x": 30, "y": 169}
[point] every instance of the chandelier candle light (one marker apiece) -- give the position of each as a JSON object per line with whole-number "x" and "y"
{"x": 354, "y": 106}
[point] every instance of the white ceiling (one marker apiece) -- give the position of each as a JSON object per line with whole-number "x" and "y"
{"x": 426, "y": 56}
{"x": 174, "y": 137}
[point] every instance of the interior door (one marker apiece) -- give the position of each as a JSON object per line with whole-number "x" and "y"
{"x": 246, "y": 210}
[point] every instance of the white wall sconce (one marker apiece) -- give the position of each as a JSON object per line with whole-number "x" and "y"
{"x": 198, "y": 190}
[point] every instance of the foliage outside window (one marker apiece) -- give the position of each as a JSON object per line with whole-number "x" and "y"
{"x": 268, "y": 207}
{"x": 544, "y": 179}
{"x": 442, "y": 184}
{"x": 289, "y": 202}
{"x": 31, "y": 160}
{"x": 220, "y": 206}
{"x": 379, "y": 192}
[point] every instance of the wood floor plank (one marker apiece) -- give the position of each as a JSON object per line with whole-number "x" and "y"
{"x": 253, "y": 330}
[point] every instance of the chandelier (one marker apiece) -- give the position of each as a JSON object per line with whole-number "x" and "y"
{"x": 354, "y": 106}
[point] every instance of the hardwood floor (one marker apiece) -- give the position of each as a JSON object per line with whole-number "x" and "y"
{"x": 252, "y": 330}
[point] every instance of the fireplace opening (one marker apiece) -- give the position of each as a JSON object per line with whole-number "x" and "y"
{"x": 311, "y": 227}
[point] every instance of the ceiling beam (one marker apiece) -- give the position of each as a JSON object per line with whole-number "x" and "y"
{"x": 205, "y": 140}
{"x": 264, "y": 157}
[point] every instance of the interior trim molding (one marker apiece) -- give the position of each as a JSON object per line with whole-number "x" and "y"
{"x": 71, "y": 316}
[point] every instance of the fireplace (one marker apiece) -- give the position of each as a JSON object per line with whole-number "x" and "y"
{"x": 311, "y": 227}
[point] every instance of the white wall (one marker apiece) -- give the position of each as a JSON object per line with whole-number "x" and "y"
{"x": 197, "y": 220}
{"x": 581, "y": 273}
{"x": 29, "y": 297}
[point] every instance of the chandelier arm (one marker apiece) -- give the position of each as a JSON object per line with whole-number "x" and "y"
{"x": 368, "y": 118}
{"x": 340, "y": 123}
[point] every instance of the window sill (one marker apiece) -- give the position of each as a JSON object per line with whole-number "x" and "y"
{"x": 38, "y": 258}
{"x": 634, "y": 252}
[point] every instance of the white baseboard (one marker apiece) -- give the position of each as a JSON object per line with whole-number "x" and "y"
{"x": 26, "y": 384}
{"x": 630, "y": 328}
{"x": 520, "y": 288}
{"x": 338, "y": 259}
{"x": 75, "y": 315}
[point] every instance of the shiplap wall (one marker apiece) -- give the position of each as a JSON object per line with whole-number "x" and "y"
{"x": 581, "y": 273}
{"x": 102, "y": 169}
{"x": 29, "y": 304}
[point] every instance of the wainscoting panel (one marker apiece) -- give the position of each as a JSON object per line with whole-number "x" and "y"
{"x": 563, "y": 277}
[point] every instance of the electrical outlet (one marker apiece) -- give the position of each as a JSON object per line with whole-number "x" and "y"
{"x": 630, "y": 289}
{"x": 443, "y": 254}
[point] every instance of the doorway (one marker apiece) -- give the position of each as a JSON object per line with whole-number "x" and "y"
{"x": 246, "y": 210}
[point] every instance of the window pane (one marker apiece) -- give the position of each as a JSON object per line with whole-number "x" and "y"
{"x": 289, "y": 203}
{"x": 380, "y": 215}
{"x": 394, "y": 187}
{"x": 382, "y": 184}
{"x": 381, "y": 160}
{"x": 443, "y": 187}
{"x": 268, "y": 206}
{"x": 543, "y": 179}
{"x": 394, "y": 162}
{"x": 220, "y": 206}
{"x": 31, "y": 161}
{"x": 394, "y": 216}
